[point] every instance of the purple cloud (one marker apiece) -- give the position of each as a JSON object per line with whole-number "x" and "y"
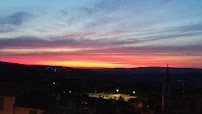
{"x": 16, "y": 19}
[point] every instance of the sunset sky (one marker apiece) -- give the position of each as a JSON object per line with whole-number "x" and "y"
{"x": 102, "y": 33}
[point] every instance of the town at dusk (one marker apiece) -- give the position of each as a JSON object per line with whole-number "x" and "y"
{"x": 100, "y": 56}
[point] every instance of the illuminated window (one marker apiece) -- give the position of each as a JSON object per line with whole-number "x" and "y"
{"x": 1, "y": 103}
{"x": 32, "y": 112}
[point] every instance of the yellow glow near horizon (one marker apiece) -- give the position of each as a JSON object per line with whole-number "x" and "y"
{"x": 85, "y": 64}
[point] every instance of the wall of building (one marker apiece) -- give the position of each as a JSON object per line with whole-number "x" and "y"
{"x": 22, "y": 110}
{"x": 8, "y": 102}
{"x": 136, "y": 104}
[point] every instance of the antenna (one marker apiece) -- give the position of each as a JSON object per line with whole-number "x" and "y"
{"x": 167, "y": 68}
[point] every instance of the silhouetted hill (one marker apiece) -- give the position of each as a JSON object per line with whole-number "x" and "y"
{"x": 6, "y": 63}
{"x": 19, "y": 72}
{"x": 142, "y": 78}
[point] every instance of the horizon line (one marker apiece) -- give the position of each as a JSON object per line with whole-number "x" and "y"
{"x": 99, "y": 67}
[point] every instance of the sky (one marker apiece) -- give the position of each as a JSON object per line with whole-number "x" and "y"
{"x": 102, "y": 33}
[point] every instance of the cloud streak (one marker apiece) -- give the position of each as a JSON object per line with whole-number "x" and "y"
{"x": 15, "y": 19}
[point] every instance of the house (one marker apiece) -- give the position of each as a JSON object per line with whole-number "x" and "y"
{"x": 8, "y": 105}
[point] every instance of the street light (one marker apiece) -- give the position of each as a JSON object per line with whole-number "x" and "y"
{"x": 117, "y": 90}
{"x": 133, "y": 92}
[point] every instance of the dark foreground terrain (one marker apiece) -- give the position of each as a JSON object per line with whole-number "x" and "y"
{"x": 38, "y": 89}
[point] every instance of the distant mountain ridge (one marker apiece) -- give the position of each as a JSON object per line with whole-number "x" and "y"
{"x": 150, "y": 67}
{"x": 1, "y": 62}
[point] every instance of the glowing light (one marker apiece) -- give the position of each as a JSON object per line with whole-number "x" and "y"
{"x": 86, "y": 64}
{"x": 133, "y": 92}
{"x": 54, "y": 83}
{"x": 117, "y": 90}
{"x": 111, "y": 96}
{"x": 70, "y": 91}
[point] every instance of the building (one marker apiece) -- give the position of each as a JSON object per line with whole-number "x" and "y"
{"x": 8, "y": 105}
{"x": 136, "y": 103}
